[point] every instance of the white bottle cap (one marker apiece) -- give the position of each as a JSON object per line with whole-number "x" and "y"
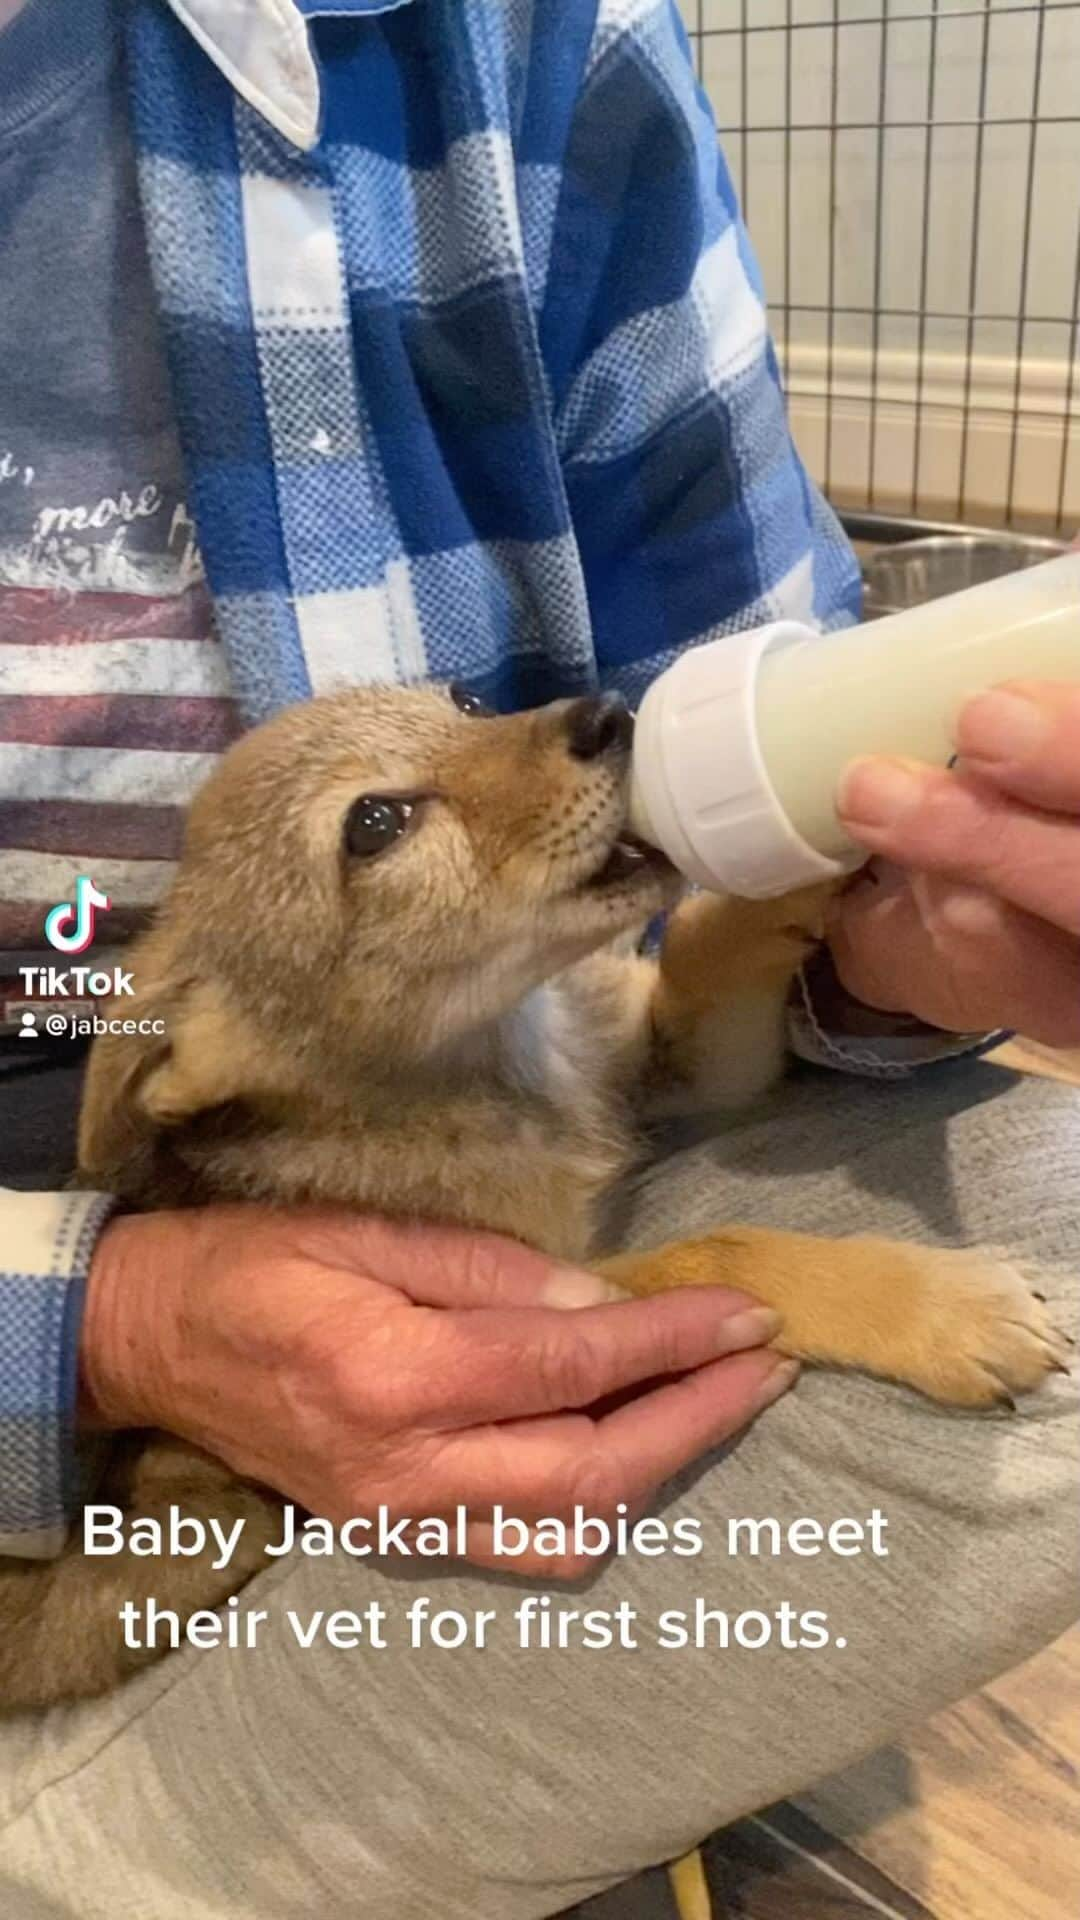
{"x": 699, "y": 786}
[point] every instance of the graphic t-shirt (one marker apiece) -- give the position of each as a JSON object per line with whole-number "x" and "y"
{"x": 114, "y": 693}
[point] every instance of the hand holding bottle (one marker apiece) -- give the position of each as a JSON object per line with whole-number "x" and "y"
{"x": 971, "y": 920}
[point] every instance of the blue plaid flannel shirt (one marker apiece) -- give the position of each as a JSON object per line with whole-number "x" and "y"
{"x": 473, "y": 378}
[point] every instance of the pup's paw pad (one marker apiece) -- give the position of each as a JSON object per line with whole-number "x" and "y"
{"x": 982, "y": 1332}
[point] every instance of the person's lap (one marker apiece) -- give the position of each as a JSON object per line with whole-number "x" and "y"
{"x": 504, "y": 1784}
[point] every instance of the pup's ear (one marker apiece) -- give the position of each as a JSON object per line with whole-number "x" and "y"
{"x": 189, "y": 1055}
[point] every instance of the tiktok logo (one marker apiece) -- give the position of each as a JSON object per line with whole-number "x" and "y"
{"x": 70, "y": 929}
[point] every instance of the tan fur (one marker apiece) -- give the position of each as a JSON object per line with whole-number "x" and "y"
{"x": 458, "y": 1030}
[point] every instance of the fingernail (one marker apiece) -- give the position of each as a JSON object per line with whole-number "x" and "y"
{"x": 776, "y": 1382}
{"x": 571, "y": 1287}
{"x": 752, "y": 1327}
{"x": 877, "y": 793}
{"x": 1002, "y": 726}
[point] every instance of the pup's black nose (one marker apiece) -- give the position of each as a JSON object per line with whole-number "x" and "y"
{"x": 600, "y": 724}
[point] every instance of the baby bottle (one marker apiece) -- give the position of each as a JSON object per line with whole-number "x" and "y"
{"x": 739, "y": 746}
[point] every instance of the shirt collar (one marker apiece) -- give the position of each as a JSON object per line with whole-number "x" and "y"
{"x": 263, "y": 50}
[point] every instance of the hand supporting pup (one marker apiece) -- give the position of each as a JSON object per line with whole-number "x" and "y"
{"x": 350, "y": 1363}
{"x": 971, "y": 920}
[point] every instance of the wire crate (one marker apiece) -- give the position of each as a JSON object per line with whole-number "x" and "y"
{"x": 910, "y": 172}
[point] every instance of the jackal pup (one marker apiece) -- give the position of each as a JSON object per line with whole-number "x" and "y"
{"x": 396, "y": 971}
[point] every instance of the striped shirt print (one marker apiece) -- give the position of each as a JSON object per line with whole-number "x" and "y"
{"x": 114, "y": 706}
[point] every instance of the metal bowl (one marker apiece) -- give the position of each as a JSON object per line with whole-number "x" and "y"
{"x": 919, "y": 570}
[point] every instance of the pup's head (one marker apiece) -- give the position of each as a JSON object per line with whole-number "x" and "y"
{"x": 366, "y": 879}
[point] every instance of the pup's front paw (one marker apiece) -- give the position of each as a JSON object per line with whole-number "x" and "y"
{"x": 978, "y": 1333}
{"x": 717, "y": 945}
{"x": 762, "y": 933}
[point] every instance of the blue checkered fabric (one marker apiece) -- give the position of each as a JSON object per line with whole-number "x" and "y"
{"x": 473, "y": 379}
{"x": 480, "y": 383}
{"x": 47, "y": 1240}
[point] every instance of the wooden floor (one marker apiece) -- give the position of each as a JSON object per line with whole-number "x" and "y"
{"x": 978, "y": 1818}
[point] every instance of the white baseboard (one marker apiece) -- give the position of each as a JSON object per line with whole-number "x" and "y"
{"x": 987, "y": 401}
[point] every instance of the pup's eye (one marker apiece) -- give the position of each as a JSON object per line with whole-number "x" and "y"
{"x": 373, "y": 823}
{"x": 468, "y": 702}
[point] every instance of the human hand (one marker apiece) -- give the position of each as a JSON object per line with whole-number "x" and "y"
{"x": 354, "y": 1363}
{"x": 973, "y": 922}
